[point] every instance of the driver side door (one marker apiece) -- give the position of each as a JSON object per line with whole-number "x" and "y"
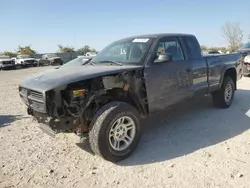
{"x": 168, "y": 82}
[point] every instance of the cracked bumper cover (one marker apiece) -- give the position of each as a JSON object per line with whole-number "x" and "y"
{"x": 51, "y": 125}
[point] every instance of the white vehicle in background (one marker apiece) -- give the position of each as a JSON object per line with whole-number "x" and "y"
{"x": 90, "y": 54}
{"x": 25, "y": 60}
{"x": 6, "y": 63}
{"x": 210, "y": 52}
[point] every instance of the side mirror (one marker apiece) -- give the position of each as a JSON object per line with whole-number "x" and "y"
{"x": 163, "y": 58}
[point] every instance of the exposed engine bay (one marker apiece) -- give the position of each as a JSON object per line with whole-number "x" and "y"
{"x": 72, "y": 107}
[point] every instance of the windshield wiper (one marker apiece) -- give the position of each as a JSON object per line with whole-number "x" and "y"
{"x": 115, "y": 62}
{"x": 88, "y": 61}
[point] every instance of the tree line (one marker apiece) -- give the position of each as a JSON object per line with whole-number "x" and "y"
{"x": 232, "y": 32}
{"x": 61, "y": 49}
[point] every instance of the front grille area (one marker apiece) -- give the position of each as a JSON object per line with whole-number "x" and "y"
{"x": 29, "y": 61}
{"x": 57, "y": 61}
{"x": 33, "y": 99}
{"x": 37, "y": 96}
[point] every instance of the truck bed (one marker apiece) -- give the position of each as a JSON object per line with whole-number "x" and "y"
{"x": 217, "y": 63}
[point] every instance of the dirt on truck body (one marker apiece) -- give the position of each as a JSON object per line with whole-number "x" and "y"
{"x": 132, "y": 78}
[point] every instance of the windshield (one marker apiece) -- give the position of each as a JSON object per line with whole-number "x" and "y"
{"x": 75, "y": 62}
{"x": 131, "y": 50}
{"x": 246, "y": 45}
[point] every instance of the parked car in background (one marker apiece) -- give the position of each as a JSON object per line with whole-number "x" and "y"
{"x": 210, "y": 52}
{"x": 246, "y": 66}
{"x": 50, "y": 59}
{"x": 79, "y": 61}
{"x": 129, "y": 79}
{"x": 245, "y": 51}
{"x": 25, "y": 60}
{"x": 6, "y": 63}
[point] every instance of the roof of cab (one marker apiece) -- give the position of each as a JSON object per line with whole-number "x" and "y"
{"x": 156, "y": 35}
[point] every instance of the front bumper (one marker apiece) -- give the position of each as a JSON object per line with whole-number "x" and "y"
{"x": 47, "y": 129}
{"x": 51, "y": 125}
{"x": 46, "y": 114}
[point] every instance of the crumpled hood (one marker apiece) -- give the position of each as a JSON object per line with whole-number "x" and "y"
{"x": 59, "y": 77}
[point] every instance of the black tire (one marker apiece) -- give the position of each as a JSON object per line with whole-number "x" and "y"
{"x": 101, "y": 125}
{"x": 219, "y": 97}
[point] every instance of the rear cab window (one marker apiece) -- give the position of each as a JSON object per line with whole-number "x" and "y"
{"x": 192, "y": 47}
{"x": 171, "y": 46}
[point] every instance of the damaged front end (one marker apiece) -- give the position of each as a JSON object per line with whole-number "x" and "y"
{"x": 71, "y": 108}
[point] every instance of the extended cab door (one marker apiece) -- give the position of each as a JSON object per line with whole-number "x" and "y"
{"x": 167, "y": 82}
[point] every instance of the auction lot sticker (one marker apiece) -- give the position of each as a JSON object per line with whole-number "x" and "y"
{"x": 140, "y": 40}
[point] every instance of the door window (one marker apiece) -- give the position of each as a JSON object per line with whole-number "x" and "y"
{"x": 171, "y": 46}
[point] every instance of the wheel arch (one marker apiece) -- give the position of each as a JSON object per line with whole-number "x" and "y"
{"x": 127, "y": 87}
{"x": 231, "y": 72}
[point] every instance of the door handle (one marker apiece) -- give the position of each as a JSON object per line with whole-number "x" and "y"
{"x": 188, "y": 69}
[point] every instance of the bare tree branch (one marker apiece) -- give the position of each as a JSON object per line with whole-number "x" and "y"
{"x": 233, "y": 33}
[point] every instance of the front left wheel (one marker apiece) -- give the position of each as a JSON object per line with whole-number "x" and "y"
{"x": 115, "y": 131}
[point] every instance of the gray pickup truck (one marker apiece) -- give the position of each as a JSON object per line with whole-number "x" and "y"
{"x": 129, "y": 79}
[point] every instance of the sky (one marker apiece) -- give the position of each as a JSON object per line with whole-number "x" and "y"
{"x": 44, "y": 24}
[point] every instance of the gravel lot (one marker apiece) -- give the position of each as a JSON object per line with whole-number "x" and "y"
{"x": 194, "y": 145}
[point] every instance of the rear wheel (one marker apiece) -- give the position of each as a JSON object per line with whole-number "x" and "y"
{"x": 224, "y": 97}
{"x": 116, "y": 131}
